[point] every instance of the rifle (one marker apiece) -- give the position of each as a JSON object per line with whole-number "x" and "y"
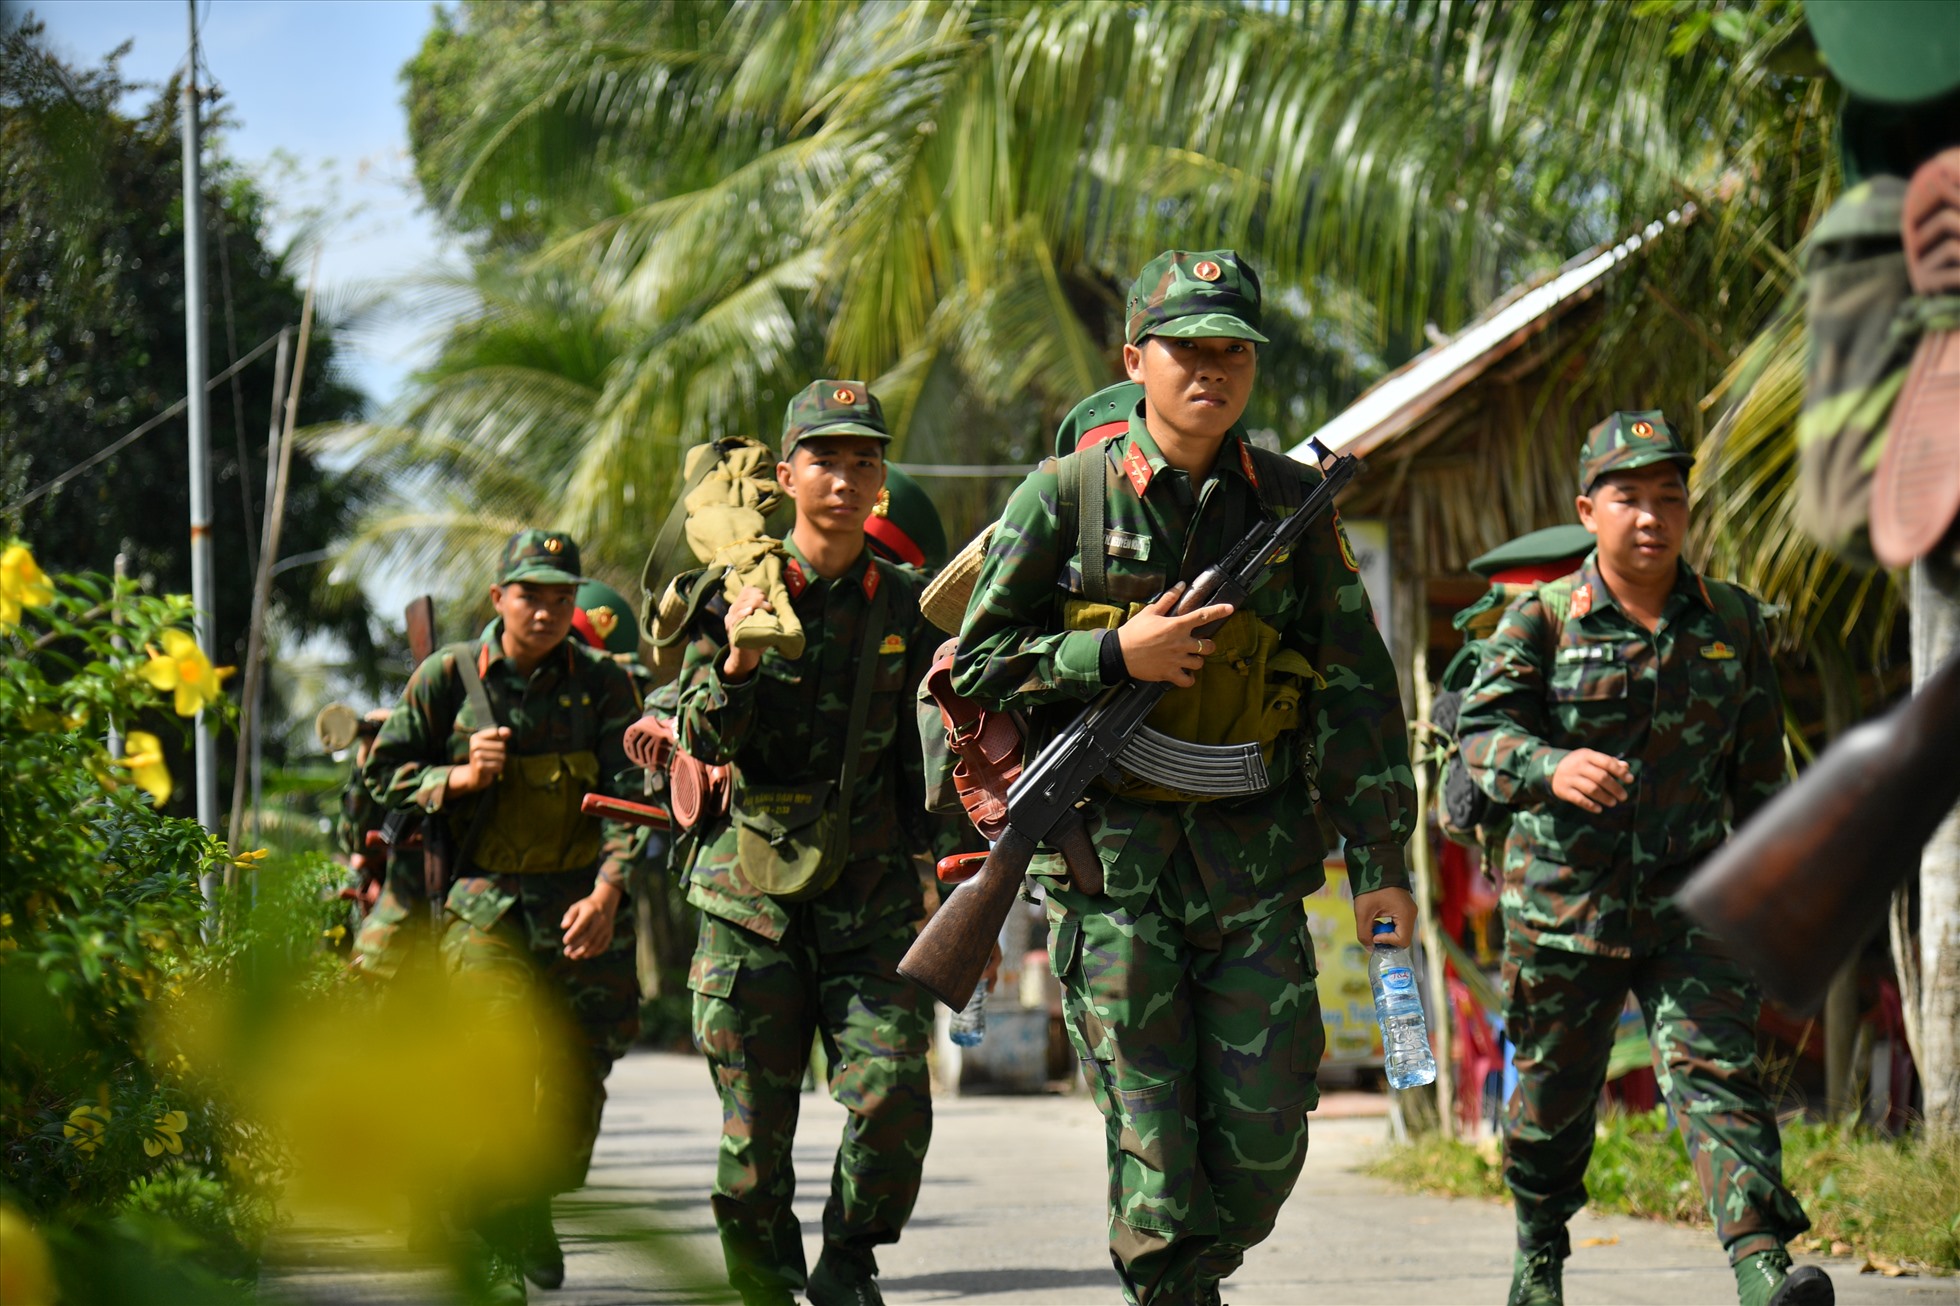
{"x": 1806, "y": 881}
{"x": 953, "y": 949}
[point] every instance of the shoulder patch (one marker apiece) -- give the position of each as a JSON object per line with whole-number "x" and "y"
{"x": 1347, "y": 550}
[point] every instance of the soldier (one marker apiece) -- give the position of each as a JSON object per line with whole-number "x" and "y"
{"x": 503, "y": 736}
{"x": 1628, "y": 713}
{"x": 1189, "y": 982}
{"x": 808, "y": 889}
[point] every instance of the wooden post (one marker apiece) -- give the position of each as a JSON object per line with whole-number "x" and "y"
{"x": 1422, "y": 860}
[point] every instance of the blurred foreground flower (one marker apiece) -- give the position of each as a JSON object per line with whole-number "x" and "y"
{"x": 250, "y": 861}
{"x": 168, "y": 1135}
{"x": 183, "y": 667}
{"x": 22, "y": 585}
{"x": 26, "y": 1277}
{"x": 143, "y": 755}
{"x": 84, "y": 1127}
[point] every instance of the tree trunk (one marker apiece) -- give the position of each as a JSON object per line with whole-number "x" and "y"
{"x": 1935, "y": 638}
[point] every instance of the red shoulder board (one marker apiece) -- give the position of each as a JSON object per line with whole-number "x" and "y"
{"x": 1581, "y": 602}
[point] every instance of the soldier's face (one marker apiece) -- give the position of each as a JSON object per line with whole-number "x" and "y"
{"x": 834, "y": 480}
{"x": 536, "y": 617}
{"x": 1197, "y": 387}
{"x": 1641, "y": 519}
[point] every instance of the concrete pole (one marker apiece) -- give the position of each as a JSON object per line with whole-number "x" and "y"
{"x": 198, "y": 410}
{"x": 1935, "y": 638}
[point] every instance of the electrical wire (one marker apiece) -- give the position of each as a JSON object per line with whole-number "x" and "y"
{"x": 138, "y": 433}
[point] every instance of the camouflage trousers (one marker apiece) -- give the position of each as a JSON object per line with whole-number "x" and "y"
{"x": 757, "y": 1006}
{"x": 395, "y": 931}
{"x": 503, "y": 943}
{"x": 1201, "y": 1044}
{"x": 1562, "y": 1012}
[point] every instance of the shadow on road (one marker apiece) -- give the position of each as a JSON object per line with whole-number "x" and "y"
{"x": 961, "y": 1284}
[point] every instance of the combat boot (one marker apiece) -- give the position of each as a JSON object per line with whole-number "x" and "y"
{"x": 844, "y": 1279}
{"x": 493, "y": 1277}
{"x": 537, "y": 1245}
{"x": 1537, "y": 1278}
{"x": 1766, "y": 1278}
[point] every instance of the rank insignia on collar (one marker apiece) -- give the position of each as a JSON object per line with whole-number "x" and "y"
{"x": 1717, "y": 651}
{"x": 1137, "y": 468}
{"x": 1581, "y": 601}
{"x": 870, "y": 579}
{"x": 793, "y": 578}
{"x": 892, "y": 644}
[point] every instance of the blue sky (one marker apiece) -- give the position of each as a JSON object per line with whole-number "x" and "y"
{"x": 313, "y": 91}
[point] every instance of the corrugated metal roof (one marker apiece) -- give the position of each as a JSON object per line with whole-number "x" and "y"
{"x": 1405, "y": 396}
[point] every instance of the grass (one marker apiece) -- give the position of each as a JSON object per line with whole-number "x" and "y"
{"x": 1894, "y": 1201}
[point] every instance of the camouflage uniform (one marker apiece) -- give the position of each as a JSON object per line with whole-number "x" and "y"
{"x": 501, "y": 932}
{"x": 1188, "y": 985}
{"x": 1693, "y": 708}
{"x": 769, "y": 974}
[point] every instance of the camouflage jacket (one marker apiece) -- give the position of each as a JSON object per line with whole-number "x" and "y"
{"x": 1693, "y": 707}
{"x": 1353, "y": 759}
{"x": 575, "y": 700}
{"x": 785, "y": 725}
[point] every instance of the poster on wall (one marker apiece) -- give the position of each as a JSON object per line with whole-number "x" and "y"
{"x": 1368, "y": 537}
{"x": 1347, "y": 1003}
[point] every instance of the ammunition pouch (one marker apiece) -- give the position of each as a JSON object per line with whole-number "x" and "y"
{"x": 793, "y": 839}
{"x": 535, "y": 825}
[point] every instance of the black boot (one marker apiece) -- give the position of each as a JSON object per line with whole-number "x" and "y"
{"x": 538, "y": 1250}
{"x": 843, "y": 1278}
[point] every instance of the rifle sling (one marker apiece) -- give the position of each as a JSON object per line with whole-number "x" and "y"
{"x": 861, "y": 695}
{"x": 479, "y": 701}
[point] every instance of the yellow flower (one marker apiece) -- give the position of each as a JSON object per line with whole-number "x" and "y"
{"x": 168, "y": 1136}
{"x": 183, "y": 667}
{"x": 250, "y": 861}
{"x": 26, "y": 1275}
{"x": 22, "y": 585}
{"x": 143, "y": 755}
{"x": 84, "y": 1127}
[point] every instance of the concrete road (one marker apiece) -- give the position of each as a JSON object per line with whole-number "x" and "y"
{"x": 1012, "y": 1212}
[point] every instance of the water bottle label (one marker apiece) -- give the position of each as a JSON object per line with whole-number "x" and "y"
{"x": 1398, "y": 979}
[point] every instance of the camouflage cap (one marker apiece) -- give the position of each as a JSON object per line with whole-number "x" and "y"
{"x": 1625, "y": 441}
{"x": 539, "y": 558}
{"x": 832, "y": 408}
{"x": 1183, "y": 294}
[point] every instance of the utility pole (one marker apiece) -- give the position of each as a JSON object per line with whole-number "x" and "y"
{"x": 198, "y": 412}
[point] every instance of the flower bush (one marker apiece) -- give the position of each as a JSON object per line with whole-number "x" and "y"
{"x": 119, "y": 1153}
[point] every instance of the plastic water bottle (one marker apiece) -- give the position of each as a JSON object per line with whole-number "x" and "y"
{"x": 1405, "y": 1035}
{"x": 970, "y": 1021}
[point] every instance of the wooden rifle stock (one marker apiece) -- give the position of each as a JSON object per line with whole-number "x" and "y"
{"x": 420, "y": 619}
{"x": 952, "y": 951}
{"x": 1807, "y": 880}
{"x": 622, "y": 809}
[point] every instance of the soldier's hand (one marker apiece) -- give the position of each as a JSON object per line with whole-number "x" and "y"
{"x": 488, "y": 749}
{"x": 1160, "y": 647}
{"x": 1592, "y": 780}
{"x": 741, "y": 661}
{"x": 1398, "y": 905}
{"x": 588, "y": 923}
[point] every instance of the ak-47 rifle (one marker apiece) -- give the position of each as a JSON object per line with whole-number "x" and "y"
{"x": 950, "y": 954}
{"x": 1807, "y": 880}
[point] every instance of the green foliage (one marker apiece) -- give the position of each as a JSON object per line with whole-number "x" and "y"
{"x": 1895, "y": 1198}
{"x": 109, "y": 1133}
{"x": 92, "y": 344}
